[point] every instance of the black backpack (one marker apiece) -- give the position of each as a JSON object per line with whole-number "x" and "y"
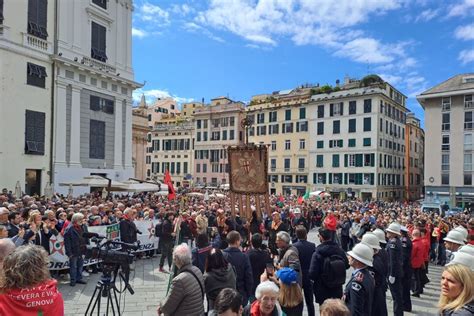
{"x": 334, "y": 271}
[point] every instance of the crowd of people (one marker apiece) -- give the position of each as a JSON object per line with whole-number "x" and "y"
{"x": 228, "y": 265}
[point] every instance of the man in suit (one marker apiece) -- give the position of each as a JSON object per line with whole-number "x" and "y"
{"x": 288, "y": 256}
{"x": 305, "y": 252}
{"x": 14, "y": 219}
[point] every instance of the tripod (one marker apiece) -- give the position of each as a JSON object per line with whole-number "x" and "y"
{"x": 106, "y": 288}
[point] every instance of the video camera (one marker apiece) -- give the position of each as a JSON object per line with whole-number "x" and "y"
{"x": 109, "y": 252}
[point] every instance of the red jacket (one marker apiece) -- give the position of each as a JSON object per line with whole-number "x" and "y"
{"x": 426, "y": 248}
{"x": 417, "y": 253}
{"x": 43, "y": 299}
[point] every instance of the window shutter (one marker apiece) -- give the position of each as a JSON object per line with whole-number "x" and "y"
{"x": 330, "y": 178}
{"x": 109, "y": 107}
{"x": 95, "y": 103}
{"x": 372, "y": 179}
{"x": 372, "y": 160}
{"x": 42, "y": 17}
{"x": 345, "y": 160}
{"x": 331, "y": 109}
{"x": 358, "y": 159}
{"x": 342, "y": 108}
{"x": 345, "y": 178}
{"x": 102, "y": 42}
{"x": 94, "y": 36}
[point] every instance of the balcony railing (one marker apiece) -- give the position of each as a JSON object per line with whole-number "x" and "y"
{"x": 97, "y": 64}
{"x": 468, "y": 104}
{"x": 37, "y": 43}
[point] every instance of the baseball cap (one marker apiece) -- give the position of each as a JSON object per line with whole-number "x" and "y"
{"x": 287, "y": 275}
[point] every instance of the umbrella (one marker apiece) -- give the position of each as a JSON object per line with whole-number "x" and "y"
{"x": 196, "y": 194}
{"x": 324, "y": 194}
{"x": 18, "y": 190}
{"x": 135, "y": 186}
{"x": 163, "y": 193}
{"x": 225, "y": 186}
{"x": 93, "y": 181}
{"x": 315, "y": 193}
{"x": 218, "y": 195}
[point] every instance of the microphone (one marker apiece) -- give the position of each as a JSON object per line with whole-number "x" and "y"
{"x": 92, "y": 235}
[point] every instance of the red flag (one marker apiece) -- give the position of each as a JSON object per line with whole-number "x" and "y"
{"x": 300, "y": 200}
{"x": 167, "y": 180}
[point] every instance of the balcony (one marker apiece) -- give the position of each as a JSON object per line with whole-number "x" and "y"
{"x": 37, "y": 43}
{"x": 97, "y": 64}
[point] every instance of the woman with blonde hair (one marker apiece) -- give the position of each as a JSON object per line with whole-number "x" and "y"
{"x": 291, "y": 296}
{"x": 26, "y": 287}
{"x": 457, "y": 291}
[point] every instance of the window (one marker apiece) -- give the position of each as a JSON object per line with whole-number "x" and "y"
{"x": 273, "y": 129}
{"x": 320, "y": 111}
{"x": 36, "y": 75}
{"x": 319, "y": 161}
{"x": 204, "y": 167}
{"x": 445, "y": 179}
{"x": 351, "y": 160}
{"x": 287, "y": 144}
{"x": 445, "y": 143}
{"x": 444, "y": 162}
{"x": 368, "y": 106}
{"x": 468, "y": 179}
{"x": 287, "y": 164}
{"x": 468, "y": 104}
{"x": 352, "y": 107}
{"x": 352, "y": 125}
{"x": 204, "y": 136}
{"x": 286, "y": 178}
{"x": 260, "y": 118}
{"x": 336, "y": 109}
{"x": 336, "y": 127}
{"x": 261, "y": 130}
{"x": 34, "y": 132}
{"x": 198, "y": 136}
{"x": 445, "y": 126}
{"x": 38, "y": 18}
{"x": 301, "y": 163}
{"x": 320, "y": 128}
{"x": 367, "y": 124}
{"x": 224, "y": 135}
{"x": 198, "y": 124}
{"x": 301, "y": 126}
{"x": 101, "y": 104}
{"x": 185, "y": 167}
{"x": 468, "y": 123}
{"x": 367, "y": 142}
{"x": 302, "y": 144}
{"x": 320, "y": 144}
{"x": 288, "y": 115}
{"x": 319, "y": 178}
{"x": 272, "y": 164}
{"x": 101, "y": 3}
{"x": 274, "y": 145}
{"x": 467, "y": 141}
{"x": 216, "y": 135}
{"x": 369, "y": 160}
{"x": 287, "y": 127}
{"x": 302, "y": 113}
{"x": 468, "y": 162}
{"x": 198, "y": 168}
{"x": 301, "y": 179}
{"x": 272, "y": 116}
{"x": 231, "y": 135}
{"x": 97, "y": 139}
{"x": 446, "y": 104}
{"x": 335, "y": 160}
{"x": 352, "y": 142}
{"x": 336, "y": 143}
{"x": 98, "y": 42}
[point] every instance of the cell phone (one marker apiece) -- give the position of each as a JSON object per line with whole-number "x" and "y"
{"x": 270, "y": 269}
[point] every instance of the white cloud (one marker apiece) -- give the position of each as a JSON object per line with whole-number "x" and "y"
{"x": 465, "y": 32}
{"x": 465, "y": 8}
{"x": 466, "y": 56}
{"x": 392, "y": 79}
{"x": 427, "y": 15}
{"x": 153, "y": 94}
{"x": 195, "y": 28}
{"x": 139, "y": 33}
{"x": 183, "y": 9}
{"x": 154, "y": 14}
{"x": 365, "y": 50}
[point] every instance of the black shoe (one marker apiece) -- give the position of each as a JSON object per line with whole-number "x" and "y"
{"x": 72, "y": 284}
{"x": 81, "y": 282}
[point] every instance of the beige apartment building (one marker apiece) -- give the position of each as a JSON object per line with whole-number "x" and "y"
{"x": 449, "y": 132}
{"x": 280, "y": 121}
{"x": 414, "y": 158}
{"x": 217, "y": 126}
{"x": 357, "y": 144}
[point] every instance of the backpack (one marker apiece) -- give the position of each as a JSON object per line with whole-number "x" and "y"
{"x": 159, "y": 229}
{"x": 334, "y": 271}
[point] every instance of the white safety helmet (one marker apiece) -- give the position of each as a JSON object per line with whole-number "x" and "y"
{"x": 363, "y": 253}
{"x": 455, "y": 237}
{"x": 463, "y": 231}
{"x": 371, "y": 240}
{"x": 394, "y": 228}
{"x": 464, "y": 259}
{"x": 381, "y": 235}
{"x": 469, "y": 249}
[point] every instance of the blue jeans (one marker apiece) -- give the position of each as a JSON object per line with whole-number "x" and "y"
{"x": 75, "y": 268}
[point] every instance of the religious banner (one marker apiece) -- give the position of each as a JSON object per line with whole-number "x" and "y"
{"x": 248, "y": 177}
{"x": 59, "y": 261}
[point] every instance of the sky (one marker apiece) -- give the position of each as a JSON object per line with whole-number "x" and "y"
{"x": 194, "y": 49}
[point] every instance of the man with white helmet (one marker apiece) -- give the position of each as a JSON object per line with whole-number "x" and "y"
{"x": 407, "y": 269}
{"x": 452, "y": 242}
{"x": 379, "y": 273}
{"x": 469, "y": 249}
{"x": 464, "y": 259}
{"x": 359, "y": 291}
{"x": 395, "y": 272}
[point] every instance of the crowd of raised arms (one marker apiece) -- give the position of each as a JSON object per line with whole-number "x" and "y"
{"x": 264, "y": 265}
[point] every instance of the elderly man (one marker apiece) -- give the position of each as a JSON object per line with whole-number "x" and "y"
{"x": 4, "y": 212}
{"x": 186, "y": 294}
{"x": 75, "y": 246}
{"x": 288, "y": 255}
{"x": 6, "y": 247}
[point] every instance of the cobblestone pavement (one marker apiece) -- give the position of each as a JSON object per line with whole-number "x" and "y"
{"x": 150, "y": 288}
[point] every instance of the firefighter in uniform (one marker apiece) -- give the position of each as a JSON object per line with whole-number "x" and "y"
{"x": 359, "y": 291}
{"x": 395, "y": 272}
{"x": 380, "y": 303}
{"x": 407, "y": 269}
{"x": 379, "y": 273}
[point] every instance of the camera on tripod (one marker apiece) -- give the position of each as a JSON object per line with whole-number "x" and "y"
{"x": 111, "y": 252}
